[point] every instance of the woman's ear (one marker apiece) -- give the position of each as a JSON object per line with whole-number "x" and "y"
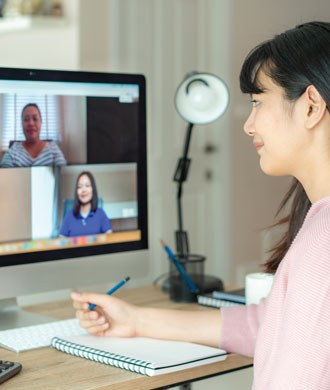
{"x": 315, "y": 107}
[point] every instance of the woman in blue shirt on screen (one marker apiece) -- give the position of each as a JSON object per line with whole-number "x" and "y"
{"x": 85, "y": 218}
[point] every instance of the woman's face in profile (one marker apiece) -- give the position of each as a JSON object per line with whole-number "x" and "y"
{"x": 84, "y": 190}
{"x": 31, "y": 124}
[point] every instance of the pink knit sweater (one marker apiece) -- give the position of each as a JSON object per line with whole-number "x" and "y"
{"x": 288, "y": 333}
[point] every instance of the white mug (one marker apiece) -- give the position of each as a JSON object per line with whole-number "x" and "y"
{"x": 257, "y": 286}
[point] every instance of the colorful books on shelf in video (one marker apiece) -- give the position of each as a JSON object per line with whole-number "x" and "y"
{"x": 138, "y": 354}
{"x": 222, "y": 298}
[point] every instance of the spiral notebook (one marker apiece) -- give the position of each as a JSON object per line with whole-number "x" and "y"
{"x": 138, "y": 354}
{"x": 211, "y": 301}
{"x": 221, "y": 299}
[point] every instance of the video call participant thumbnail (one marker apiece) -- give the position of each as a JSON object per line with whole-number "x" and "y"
{"x": 33, "y": 151}
{"x": 85, "y": 218}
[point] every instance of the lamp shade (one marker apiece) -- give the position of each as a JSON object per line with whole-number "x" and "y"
{"x": 201, "y": 98}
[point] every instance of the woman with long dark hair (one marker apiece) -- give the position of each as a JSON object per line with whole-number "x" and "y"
{"x": 85, "y": 218}
{"x": 288, "y": 333}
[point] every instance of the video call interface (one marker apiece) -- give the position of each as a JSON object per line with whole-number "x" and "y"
{"x": 68, "y": 165}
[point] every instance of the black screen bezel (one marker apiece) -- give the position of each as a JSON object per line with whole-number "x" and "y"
{"x": 19, "y": 74}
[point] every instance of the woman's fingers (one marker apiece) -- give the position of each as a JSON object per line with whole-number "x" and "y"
{"x": 93, "y": 322}
{"x": 80, "y": 305}
{"x": 92, "y": 315}
{"x": 101, "y": 300}
{"x": 94, "y": 327}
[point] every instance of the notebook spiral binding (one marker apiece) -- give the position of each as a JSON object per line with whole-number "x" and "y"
{"x": 119, "y": 361}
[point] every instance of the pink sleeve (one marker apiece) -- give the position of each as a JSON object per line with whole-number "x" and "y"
{"x": 240, "y": 326}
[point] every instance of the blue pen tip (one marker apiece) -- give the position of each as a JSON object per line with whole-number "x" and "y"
{"x": 127, "y": 279}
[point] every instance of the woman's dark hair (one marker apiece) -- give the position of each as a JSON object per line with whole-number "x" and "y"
{"x": 76, "y": 201}
{"x": 32, "y": 105}
{"x": 293, "y": 60}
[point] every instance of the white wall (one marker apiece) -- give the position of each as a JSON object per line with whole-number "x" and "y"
{"x": 15, "y": 200}
{"x": 42, "y": 195}
{"x": 44, "y": 46}
{"x": 255, "y": 196}
{"x": 165, "y": 40}
{"x": 74, "y": 128}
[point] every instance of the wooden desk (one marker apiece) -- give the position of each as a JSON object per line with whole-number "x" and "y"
{"x": 48, "y": 369}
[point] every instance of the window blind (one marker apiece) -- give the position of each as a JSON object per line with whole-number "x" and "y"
{"x": 12, "y": 118}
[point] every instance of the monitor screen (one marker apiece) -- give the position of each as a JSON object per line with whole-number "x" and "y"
{"x": 72, "y": 164}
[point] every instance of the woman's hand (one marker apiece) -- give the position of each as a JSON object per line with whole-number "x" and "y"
{"x": 117, "y": 318}
{"x": 110, "y": 317}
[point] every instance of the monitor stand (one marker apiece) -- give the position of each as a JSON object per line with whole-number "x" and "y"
{"x": 12, "y": 316}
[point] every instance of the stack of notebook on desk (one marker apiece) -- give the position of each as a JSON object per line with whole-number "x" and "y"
{"x": 222, "y": 298}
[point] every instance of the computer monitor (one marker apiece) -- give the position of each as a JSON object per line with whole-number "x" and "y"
{"x": 73, "y": 181}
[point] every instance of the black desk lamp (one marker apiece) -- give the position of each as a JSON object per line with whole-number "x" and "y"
{"x": 201, "y": 98}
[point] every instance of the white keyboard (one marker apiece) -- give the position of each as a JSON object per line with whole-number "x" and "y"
{"x": 38, "y": 336}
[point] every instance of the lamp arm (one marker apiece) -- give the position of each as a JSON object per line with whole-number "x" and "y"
{"x": 187, "y": 141}
{"x": 180, "y": 176}
{"x": 181, "y": 172}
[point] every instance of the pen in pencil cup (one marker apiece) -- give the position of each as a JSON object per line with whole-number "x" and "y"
{"x": 111, "y": 291}
{"x": 190, "y": 284}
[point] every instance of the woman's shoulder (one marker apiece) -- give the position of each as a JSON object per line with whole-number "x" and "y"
{"x": 313, "y": 240}
{"x": 16, "y": 146}
{"x": 69, "y": 214}
{"x": 100, "y": 211}
{"x": 320, "y": 207}
{"x": 53, "y": 148}
{"x": 16, "y": 155}
{"x": 52, "y": 145}
{"x": 318, "y": 217}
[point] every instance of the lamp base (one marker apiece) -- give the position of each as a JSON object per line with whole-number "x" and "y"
{"x": 178, "y": 291}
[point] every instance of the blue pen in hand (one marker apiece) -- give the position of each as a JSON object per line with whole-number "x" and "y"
{"x": 112, "y": 290}
{"x": 191, "y": 285}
